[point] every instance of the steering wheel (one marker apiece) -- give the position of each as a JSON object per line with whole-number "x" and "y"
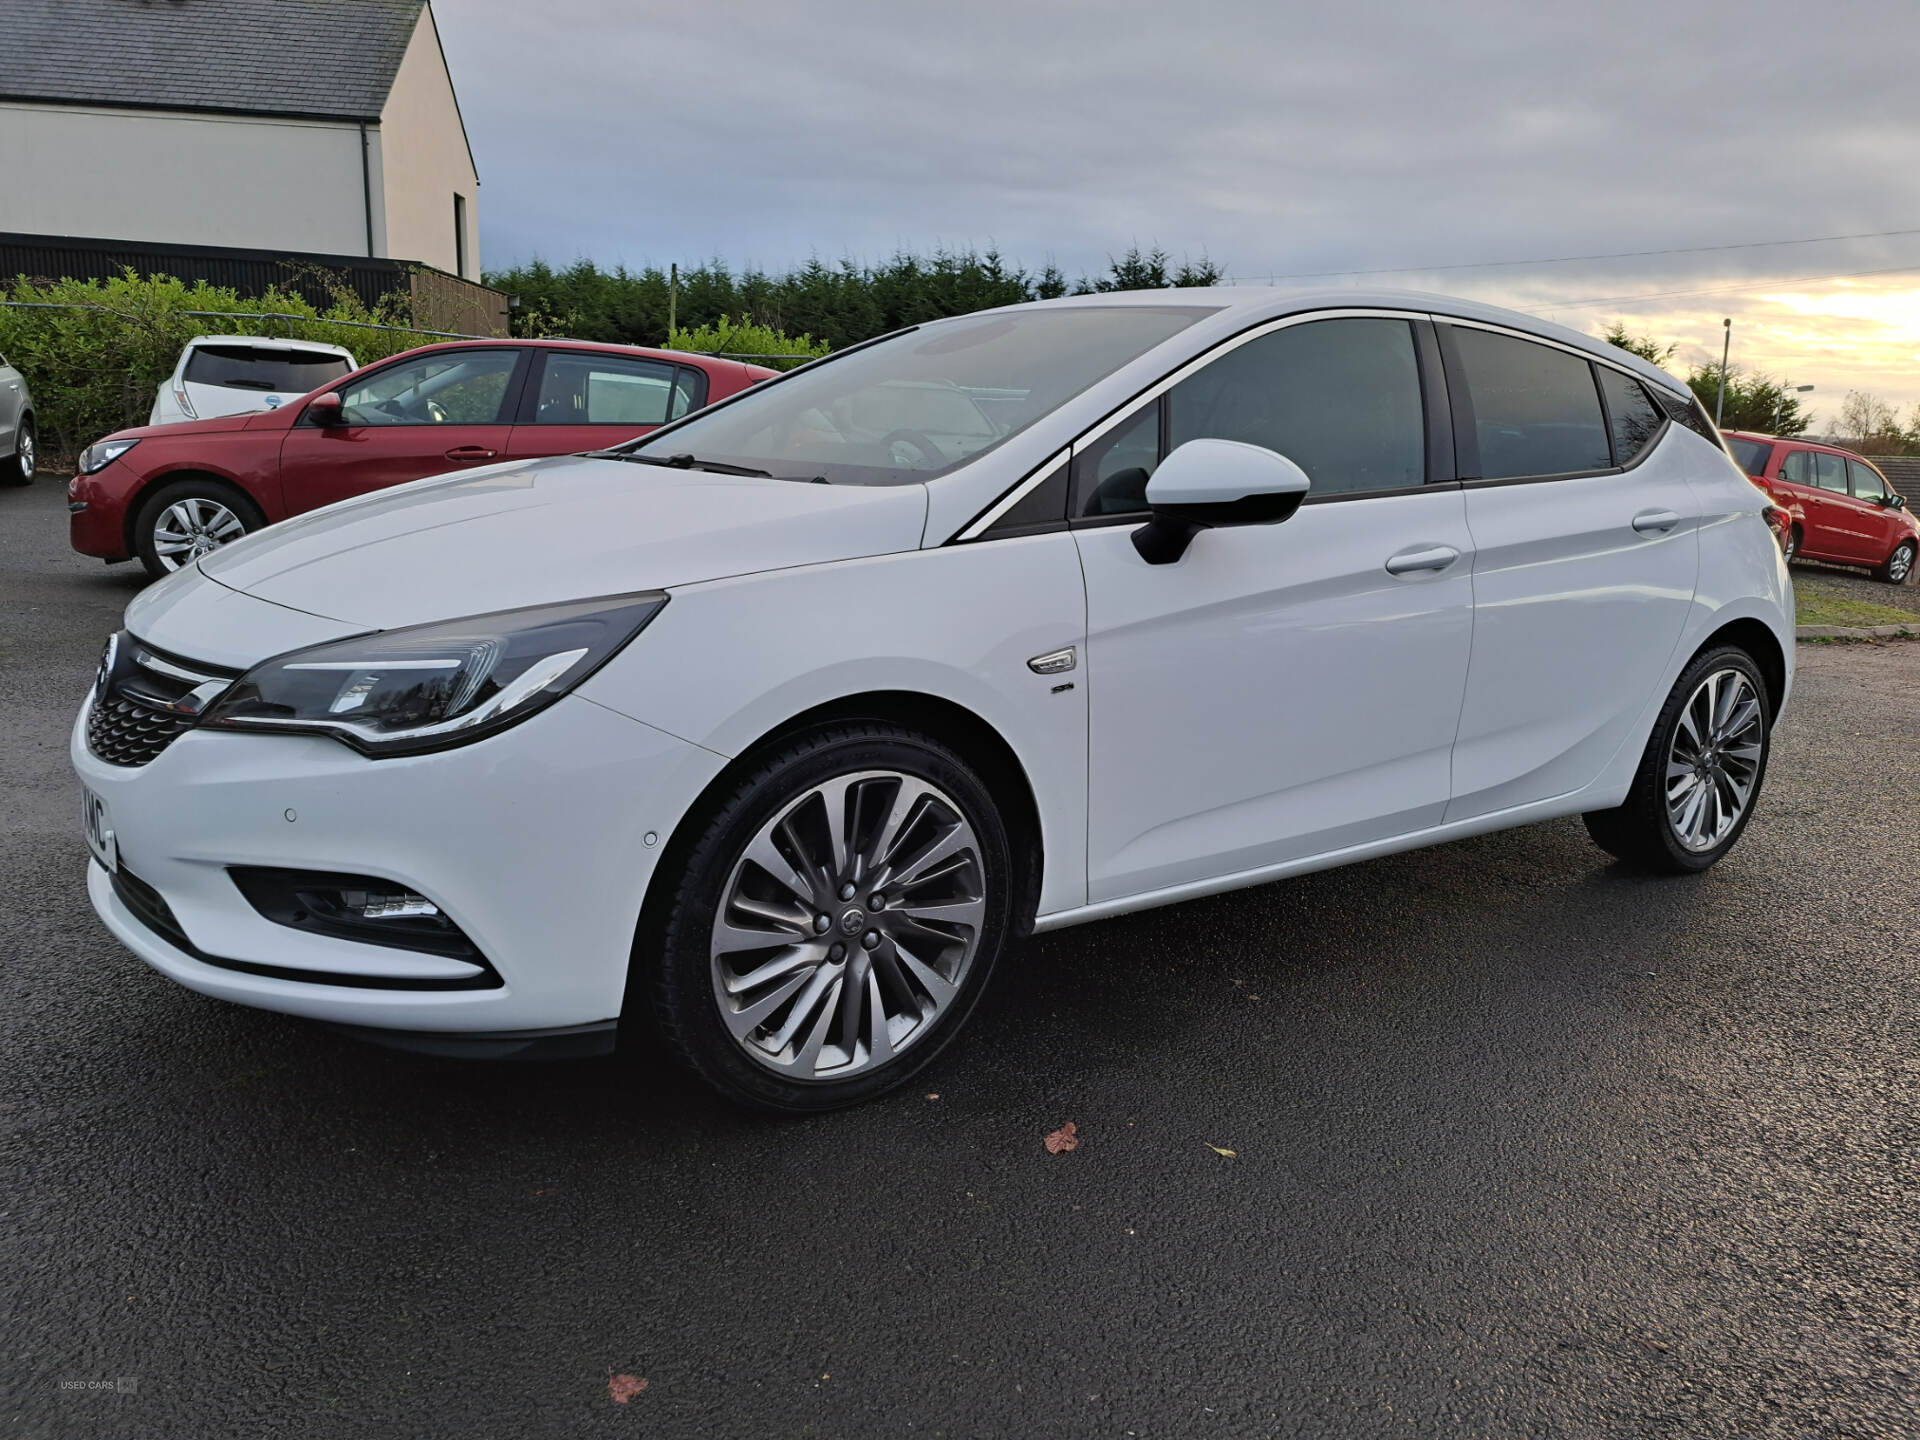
{"x": 931, "y": 457}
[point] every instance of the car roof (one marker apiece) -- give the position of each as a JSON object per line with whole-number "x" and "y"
{"x": 1255, "y": 303}
{"x": 1800, "y": 442}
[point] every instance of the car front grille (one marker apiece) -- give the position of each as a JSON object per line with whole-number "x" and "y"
{"x": 143, "y": 700}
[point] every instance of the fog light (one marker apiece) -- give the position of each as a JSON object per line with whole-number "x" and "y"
{"x": 402, "y": 906}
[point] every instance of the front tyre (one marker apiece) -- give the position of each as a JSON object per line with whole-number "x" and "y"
{"x": 836, "y": 920}
{"x": 1701, "y": 773}
{"x": 181, "y": 522}
{"x": 1899, "y": 565}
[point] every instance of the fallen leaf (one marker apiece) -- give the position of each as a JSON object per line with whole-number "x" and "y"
{"x": 549, "y": 1190}
{"x": 624, "y": 1387}
{"x": 1065, "y": 1138}
{"x": 934, "y": 1096}
{"x": 1230, "y": 1154}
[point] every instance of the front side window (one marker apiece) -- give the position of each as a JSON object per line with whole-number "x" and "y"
{"x": 1867, "y": 484}
{"x": 1339, "y": 398}
{"x": 450, "y": 387}
{"x": 604, "y": 390}
{"x": 264, "y": 368}
{"x": 1830, "y": 471}
{"x": 1110, "y": 476}
{"x": 918, "y": 404}
{"x": 1535, "y": 409}
{"x": 1797, "y": 468}
{"x": 1750, "y": 455}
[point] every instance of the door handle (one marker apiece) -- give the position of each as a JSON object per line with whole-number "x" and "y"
{"x": 1655, "y": 522}
{"x": 1427, "y": 557}
{"x": 469, "y": 452}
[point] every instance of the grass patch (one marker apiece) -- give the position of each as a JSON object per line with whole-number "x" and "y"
{"x": 1819, "y": 604}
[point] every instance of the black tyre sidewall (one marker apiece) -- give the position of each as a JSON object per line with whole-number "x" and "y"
{"x": 678, "y": 976}
{"x": 1647, "y": 805}
{"x": 150, "y": 508}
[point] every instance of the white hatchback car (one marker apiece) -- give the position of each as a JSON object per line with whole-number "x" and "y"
{"x": 235, "y": 374}
{"x": 783, "y": 722}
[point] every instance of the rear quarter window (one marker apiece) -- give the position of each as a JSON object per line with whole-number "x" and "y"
{"x": 1751, "y": 455}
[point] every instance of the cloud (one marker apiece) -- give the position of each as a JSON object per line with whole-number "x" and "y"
{"x": 1272, "y": 137}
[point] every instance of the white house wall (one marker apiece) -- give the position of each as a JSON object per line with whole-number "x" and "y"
{"x": 426, "y": 160}
{"x": 189, "y": 179}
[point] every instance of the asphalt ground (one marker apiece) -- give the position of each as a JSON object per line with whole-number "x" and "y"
{"x": 1523, "y": 1144}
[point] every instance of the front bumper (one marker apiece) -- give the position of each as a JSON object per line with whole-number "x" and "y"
{"x": 532, "y": 841}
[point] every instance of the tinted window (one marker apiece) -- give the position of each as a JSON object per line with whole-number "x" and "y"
{"x": 1797, "y": 468}
{"x": 1535, "y": 409}
{"x": 1110, "y": 476}
{"x": 604, "y": 390}
{"x": 689, "y": 392}
{"x": 1829, "y": 471}
{"x": 242, "y": 367}
{"x": 451, "y": 387}
{"x": 1340, "y": 398}
{"x": 1867, "y": 484}
{"x": 1750, "y": 455}
{"x": 916, "y": 405}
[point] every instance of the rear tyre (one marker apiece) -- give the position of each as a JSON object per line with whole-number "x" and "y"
{"x": 181, "y": 522}
{"x": 1899, "y": 566}
{"x": 1791, "y": 550}
{"x": 18, "y": 468}
{"x": 835, "y": 921}
{"x": 1701, "y": 774}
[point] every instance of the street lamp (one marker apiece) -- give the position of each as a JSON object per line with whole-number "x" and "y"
{"x": 1720, "y": 405}
{"x": 1780, "y": 397}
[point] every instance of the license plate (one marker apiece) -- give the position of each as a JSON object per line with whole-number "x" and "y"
{"x": 93, "y": 819}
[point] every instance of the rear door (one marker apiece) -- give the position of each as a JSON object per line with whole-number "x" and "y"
{"x": 443, "y": 410}
{"x": 1586, "y": 555}
{"x": 586, "y": 400}
{"x": 1827, "y": 502}
{"x": 12, "y": 393}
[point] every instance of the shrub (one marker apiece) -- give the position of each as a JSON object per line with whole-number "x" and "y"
{"x": 728, "y": 337}
{"x": 95, "y": 363}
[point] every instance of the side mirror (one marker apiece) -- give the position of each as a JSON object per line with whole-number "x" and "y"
{"x": 1205, "y": 483}
{"x": 325, "y": 410}
{"x": 1896, "y": 502}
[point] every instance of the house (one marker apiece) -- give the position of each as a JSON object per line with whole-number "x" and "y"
{"x": 324, "y": 127}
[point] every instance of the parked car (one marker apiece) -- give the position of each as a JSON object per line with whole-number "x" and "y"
{"x": 171, "y": 494}
{"x": 1841, "y": 508}
{"x": 778, "y": 732}
{"x": 235, "y": 374}
{"x": 18, "y": 458}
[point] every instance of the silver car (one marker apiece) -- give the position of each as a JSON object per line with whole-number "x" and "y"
{"x": 16, "y": 427}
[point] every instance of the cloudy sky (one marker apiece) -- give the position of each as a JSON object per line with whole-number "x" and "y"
{"x": 1274, "y": 138}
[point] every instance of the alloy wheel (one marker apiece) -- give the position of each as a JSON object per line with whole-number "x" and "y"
{"x": 190, "y": 528}
{"x": 1791, "y": 549}
{"x": 1900, "y": 564}
{"x": 23, "y": 456}
{"x": 848, "y": 925}
{"x": 1713, "y": 760}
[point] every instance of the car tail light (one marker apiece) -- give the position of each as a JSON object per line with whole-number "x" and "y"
{"x": 180, "y": 399}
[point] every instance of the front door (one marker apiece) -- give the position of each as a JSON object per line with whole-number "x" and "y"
{"x": 1869, "y": 526}
{"x": 1280, "y": 692}
{"x": 444, "y": 410}
{"x": 1587, "y": 552}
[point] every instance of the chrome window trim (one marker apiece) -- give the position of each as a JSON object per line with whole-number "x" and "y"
{"x": 1507, "y": 330}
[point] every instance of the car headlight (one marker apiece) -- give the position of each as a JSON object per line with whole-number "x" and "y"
{"x": 103, "y": 453}
{"x": 429, "y": 687}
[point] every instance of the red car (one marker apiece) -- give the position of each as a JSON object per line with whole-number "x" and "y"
{"x": 168, "y": 494}
{"x": 1839, "y": 507}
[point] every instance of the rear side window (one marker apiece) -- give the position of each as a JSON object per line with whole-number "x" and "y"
{"x": 1797, "y": 468}
{"x": 1340, "y": 398}
{"x": 1632, "y": 417}
{"x": 1536, "y": 410}
{"x": 1752, "y": 456}
{"x": 243, "y": 367}
{"x": 1829, "y": 471}
{"x": 1867, "y": 484}
{"x": 604, "y": 390}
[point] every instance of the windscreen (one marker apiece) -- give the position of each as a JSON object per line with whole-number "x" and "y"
{"x": 243, "y": 367}
{"x": 923, "y": 402}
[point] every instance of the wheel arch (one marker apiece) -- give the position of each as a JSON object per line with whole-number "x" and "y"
{"x": 152, "y": 484}
{"x": 1755, "y": 637}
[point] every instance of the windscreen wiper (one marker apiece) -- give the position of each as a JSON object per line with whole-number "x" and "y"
{"x": 685, "y": 462}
